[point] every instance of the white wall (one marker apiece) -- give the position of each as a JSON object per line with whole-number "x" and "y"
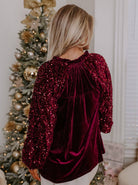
{"x": 60, "y": 3}
{"x": 104, "y": 29}
{"x": 11, "y": 13}
{"x": 104, "y": 35}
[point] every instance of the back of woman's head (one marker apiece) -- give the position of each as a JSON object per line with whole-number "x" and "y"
{"x": 71, "y": 26}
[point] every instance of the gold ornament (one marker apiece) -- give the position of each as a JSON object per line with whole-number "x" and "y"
{"x": 98, "y": 178}
{"x": 18, "y": 96}
{"x": 42, "y": 35}
{"x": 30, "y": 73}
{"x": 12, "y": 77}
{"x": 30, "y": 54}
{"x": 16, "y": 66}
{"x": 23, "y": 51}
{"x": 44, "y": 49}
{"x": 33, "y": 183}
{"x": 24, "y": 123}
{"x": 10, "y": 126}
{"x": 21, "y": 164}
{"x": 10, "y": 113}
{"x": 21, "y": 144}
{"x": 15, "y": 167}
{"x": 18, "y": 106}
{"x": 18, "y": 82}
{"x": 26, "y": 110}
{"x": 14, "y": 85}
{"x": 19, "y": 127}
{"x": 26, "y": 36}
{"x": 16, "y": 154}
{"x": 25, "y": 136}
{"x": 33, "y": 32}
{"x": 17, "y": 55}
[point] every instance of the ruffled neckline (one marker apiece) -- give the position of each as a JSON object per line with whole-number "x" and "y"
{"x": 79, "y": 59}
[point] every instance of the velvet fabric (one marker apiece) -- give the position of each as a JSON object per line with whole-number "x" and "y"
{"x": 81, "y": 91}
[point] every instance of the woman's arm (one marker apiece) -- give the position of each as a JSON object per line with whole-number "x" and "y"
{"x": 42, "y": 118}
{"x": 106, "y": 101}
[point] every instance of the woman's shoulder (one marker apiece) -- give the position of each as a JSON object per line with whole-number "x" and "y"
{"x": 98, "y": 61}
{"x": 96, "y": 57}
{"x": 46, "y": 68}
{"x": 53, "y": 71}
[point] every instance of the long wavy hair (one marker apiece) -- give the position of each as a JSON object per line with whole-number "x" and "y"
{"x": 71, "y": 26}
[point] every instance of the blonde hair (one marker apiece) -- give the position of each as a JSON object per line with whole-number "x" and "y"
{"x": 71, "y": 26}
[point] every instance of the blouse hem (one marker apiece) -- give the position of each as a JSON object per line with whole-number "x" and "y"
{"x": 62, "y": 181}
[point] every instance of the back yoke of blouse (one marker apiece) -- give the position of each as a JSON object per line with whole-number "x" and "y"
{"x": 70, "y": 107}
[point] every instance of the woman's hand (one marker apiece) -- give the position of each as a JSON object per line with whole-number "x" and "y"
{"x": 34, "y": 173}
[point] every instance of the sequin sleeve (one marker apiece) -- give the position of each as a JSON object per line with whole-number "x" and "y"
{"x": 106, "y": 102}
{"x": 42, "y": 118}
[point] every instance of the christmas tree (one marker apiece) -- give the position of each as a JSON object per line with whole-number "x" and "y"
{"x": 33, "y": 52}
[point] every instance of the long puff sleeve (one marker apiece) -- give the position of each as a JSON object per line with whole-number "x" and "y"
{"x": 106, "y": 102}
{"x": 42, "y": 118}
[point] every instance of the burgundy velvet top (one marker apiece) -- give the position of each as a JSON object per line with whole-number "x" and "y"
{"x": 70, "y": 107}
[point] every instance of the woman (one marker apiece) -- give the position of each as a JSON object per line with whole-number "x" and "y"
{"x": 71, "y": 105}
